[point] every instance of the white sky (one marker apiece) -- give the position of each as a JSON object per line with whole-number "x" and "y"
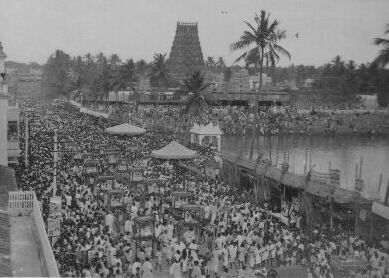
{"x": 33, "y": 29}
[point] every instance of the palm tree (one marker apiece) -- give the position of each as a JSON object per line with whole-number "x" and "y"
{"x": 338, "y": 67}
{"x": 126, "y": 77}
{"x": 88, "y": 59}
{"x": 220, "y": 64}
{"x": 383, "y": 58}
{"x": 141, "y": 67}
{"x": 159, "y": 72}
{"x": 210, "y": 63}
{"x": 194, "y": 88}
{"x": 350, "y": 66}
{"x": 263, "y": 38}
{"x": 114, "y": 61}
{"x": 227, "y": 74}
{"x": 101, "y": 59}
{"x": 103, "y": 82}
{"x": 159, "y": 77}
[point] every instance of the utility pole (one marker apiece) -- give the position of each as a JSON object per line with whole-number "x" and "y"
{"x": 26, "y": 135}
{"x": 55, "y": 164}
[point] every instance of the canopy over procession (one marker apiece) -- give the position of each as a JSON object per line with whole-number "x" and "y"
{"x": 125, "y": 129}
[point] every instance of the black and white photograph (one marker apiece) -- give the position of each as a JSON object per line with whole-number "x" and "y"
{"x": 194, "y": 138}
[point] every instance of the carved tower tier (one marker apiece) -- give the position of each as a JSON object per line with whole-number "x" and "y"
{"x": 186, "y": 55}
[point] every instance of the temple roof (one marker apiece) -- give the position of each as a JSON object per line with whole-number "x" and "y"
{"x": 209, "y": 129}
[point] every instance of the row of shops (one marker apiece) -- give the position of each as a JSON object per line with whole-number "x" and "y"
{"x": 320, "y": 203}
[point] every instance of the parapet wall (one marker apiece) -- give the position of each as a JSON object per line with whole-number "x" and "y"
{"x": 26, "y": 203}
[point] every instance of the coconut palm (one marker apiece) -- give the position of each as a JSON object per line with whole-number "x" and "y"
{"x": 102, "y": 84}
{"x": 159, "y": 73}
{"x": 101, "y": 60}
{"x": 220, "y": 64}
{"x": 383, "y": 58}
{"x": 210, "y": 63}
{"x": 89, "y": 59}
{"x": 194, "y": 87}
{"x": 126, "y": 78}
{"x": 227, "y": 74}
{"x": 261, "y": 40}
{"x": 338, "y": 66}
{"x": 114, "y": 61}
{"x": 142, "y": 67}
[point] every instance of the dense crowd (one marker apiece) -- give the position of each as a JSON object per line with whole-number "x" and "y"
{"x": 223, "y": 232}
{"x": 234, "y": 120}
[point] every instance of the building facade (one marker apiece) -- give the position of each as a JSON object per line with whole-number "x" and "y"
{"x": 9, "y": 120}
{"x": 254, "y": 81}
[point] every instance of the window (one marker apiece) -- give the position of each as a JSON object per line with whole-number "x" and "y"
{"x": 12, "y": 131}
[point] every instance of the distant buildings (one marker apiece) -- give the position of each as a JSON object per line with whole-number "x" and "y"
{"x": 308, "y": 83}
{"x": 254, "y": 81}
{"x": 369, "y": 101}
{"x": 9, "y": 120}
{"x": 239, "y": 82}
{"x": 32, "y": 76}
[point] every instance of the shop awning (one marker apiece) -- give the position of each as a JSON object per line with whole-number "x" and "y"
{"x": 340, "y": 195}
{"x": 380, "y": 210}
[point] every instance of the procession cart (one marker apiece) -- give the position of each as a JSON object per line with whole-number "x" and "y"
{"x": 190, "y": 217}
{"x": 344, "y": 266}
{"x": 136, "y": 174}
{"x": 144, "y": 228}
{"x": 102, "y": 149}
{"x": 123, "y": 173}
{"x": 91, "y": 167}
{"x": 179, "y": 198}
{"x": 96, "y": 146}
{"x": 111, "y": 156}
{"x": 115, "y": 202}
{"x": 106, "y": 183}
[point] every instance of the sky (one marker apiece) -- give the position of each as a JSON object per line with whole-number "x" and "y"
{"x": 31, "y": 30}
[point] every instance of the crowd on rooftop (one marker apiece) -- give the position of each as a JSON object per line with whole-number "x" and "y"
{"x": 227, "y": 232}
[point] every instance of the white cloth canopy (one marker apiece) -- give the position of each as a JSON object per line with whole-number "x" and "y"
{"x": 93, "y": 113}
{"x": 125, "y": 129}
{"x": 174, "y": 150}
{"x": 208, "y": 129}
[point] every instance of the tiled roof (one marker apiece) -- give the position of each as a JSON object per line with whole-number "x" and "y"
{"x": 7, "y": 183}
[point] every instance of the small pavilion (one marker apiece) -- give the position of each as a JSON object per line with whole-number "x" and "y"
{"x": 206, "y": 135}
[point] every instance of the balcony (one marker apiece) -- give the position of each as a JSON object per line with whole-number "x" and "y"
{"x": 31, "y": 253}
{"x": 13, "y": 145}
{"x": 13, "y": 151}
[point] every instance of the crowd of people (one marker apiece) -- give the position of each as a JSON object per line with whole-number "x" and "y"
{"x": 223, "y": 232}
{"x": 273, "y": 120}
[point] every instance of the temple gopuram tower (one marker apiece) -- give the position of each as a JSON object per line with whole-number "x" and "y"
{"x": 185, "y": 56}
